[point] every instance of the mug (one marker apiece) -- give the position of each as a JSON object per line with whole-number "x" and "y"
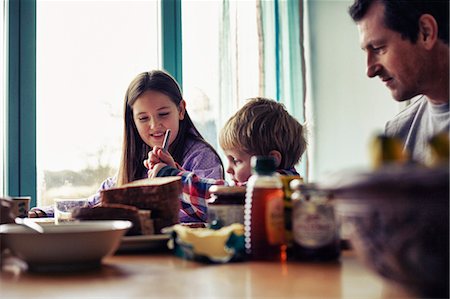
{"x": 20, "y": 205}
{"x": 65, "y": 207}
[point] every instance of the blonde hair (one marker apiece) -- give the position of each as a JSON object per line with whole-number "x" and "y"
{"x": 261, "y": 126}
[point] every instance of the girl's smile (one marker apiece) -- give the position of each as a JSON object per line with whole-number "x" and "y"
{"x": 154, "y": 113}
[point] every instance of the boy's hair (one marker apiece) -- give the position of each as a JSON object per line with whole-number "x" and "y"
{"x": 263, "y": 125}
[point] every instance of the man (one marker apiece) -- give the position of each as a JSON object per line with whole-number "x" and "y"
{"x": 407, "y": 47}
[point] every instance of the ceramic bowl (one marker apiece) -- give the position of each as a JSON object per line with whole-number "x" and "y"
{"x": 64, "y": 247}
{"x": 398, "y": 220}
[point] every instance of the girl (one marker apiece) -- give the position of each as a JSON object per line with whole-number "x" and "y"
{"x": 153, "y": 104}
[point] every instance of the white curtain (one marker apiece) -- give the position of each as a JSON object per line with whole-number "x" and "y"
{"x": 261, "y": 54}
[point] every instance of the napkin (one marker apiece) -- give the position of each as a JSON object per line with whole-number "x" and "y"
{"x": 208, "y": 245}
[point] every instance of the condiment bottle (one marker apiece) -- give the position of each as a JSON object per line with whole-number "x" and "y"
{"x": 315, "y": 228}
{"x": 264, "y": 212}
{"x": 386, "y": 150}
{"x": 286, "y": 179}
{"x": 226, "y": 205}
{"x": 438, "y": 150}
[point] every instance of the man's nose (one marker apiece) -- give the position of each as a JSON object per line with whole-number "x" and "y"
{"x": 373, "y": 66}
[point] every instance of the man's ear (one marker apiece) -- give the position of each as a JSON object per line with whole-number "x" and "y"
{"x": 277, "y": 156}
{"x": 428, "y": 31}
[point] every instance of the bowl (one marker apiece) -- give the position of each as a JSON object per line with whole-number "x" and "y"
{"x": 64, "y": 247}
{"x": 398, "y": 220}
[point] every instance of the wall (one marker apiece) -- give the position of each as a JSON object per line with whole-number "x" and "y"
{"x": 346, "y": 107}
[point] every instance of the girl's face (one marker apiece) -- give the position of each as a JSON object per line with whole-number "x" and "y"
{"x": 238, "y": 166}
{"x": 154, "y": 113}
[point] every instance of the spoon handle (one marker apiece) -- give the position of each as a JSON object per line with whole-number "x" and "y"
{"x": 30, "y": 223}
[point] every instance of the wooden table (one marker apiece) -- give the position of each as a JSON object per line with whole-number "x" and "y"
{"x": 161, "y": 275}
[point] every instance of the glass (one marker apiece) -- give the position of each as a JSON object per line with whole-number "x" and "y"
{"x": 314, "y": 224}
{"x": 64, "y": 209}
{"x": 87, "y": 54}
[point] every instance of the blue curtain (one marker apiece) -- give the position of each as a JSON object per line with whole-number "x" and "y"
{"x": 280, "y": 23}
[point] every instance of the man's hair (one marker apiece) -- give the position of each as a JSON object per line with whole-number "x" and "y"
{"x": 263, "y": 125}
{"x": 403, "y": 15}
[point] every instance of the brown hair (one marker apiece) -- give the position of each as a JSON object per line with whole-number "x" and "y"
{"x": 134, "y": 149}
{"x": 263, "y": 125}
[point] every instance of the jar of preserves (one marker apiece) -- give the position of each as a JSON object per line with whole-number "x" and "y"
{"x": 314, "y": 224}
{"x": 226, "y": 205}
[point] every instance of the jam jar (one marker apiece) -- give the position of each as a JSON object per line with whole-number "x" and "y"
{"x": 226, "y": 205}
{"x": 314, "y": 224}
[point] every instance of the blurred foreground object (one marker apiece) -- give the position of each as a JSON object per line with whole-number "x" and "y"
{"x": 399, "y": 220}
{"x": 315, "y": 227}
{"x": 69, "y": 246}
{"x": 6, "y": 215}
{"x": 387, "y": 150}
{"x": 438, "y": 153}
{"x": 208, "y": 245}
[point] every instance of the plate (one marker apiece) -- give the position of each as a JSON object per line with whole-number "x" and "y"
{"x": 144, "y": 243}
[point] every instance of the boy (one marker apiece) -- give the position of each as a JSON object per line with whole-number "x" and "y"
{"x": 262, "y": 127}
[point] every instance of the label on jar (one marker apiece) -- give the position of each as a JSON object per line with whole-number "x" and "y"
{"x": 275, "y": 220}
{"x": 226, "y": 214}
{"x": 313, "y": 225}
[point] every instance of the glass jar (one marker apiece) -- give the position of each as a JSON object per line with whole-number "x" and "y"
{"x": 264, "y": 212}
{"x": 314, "y": 224}
{"x": 226, "y": 205}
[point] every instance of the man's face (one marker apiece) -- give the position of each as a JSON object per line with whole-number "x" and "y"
{"x": 398, "y": 62}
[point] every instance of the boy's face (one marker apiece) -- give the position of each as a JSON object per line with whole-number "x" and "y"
{"x": 238, "y": 166}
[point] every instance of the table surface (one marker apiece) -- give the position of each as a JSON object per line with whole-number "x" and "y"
{"x": 162, "y": 275}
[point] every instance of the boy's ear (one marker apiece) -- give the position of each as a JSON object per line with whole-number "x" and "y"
{"x": 277, "y": 156}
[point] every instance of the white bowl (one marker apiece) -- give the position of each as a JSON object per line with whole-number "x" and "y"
{"x": 64, "y": 247}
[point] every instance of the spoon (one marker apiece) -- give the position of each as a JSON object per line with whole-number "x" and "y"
{"x": 165, "y": 145}
{"x": 30, "y": 223}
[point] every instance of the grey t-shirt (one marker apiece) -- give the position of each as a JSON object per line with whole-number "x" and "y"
{"x": 417, "y": 123}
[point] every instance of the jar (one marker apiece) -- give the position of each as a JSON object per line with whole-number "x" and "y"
{"x": 226, "y": 205}
{"x": 314, "y": 224}
{"x": 264, "y": 231}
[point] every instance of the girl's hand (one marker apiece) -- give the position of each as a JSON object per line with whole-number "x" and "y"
{"x": 153, "y": 172}
{"x": 158, "y": 155}
{"x": 151, "y": 160}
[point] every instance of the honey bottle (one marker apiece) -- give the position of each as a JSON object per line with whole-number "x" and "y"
{"x": 264, "y": 212}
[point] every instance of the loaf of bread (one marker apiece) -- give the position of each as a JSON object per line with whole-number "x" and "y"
{"x": 160, "y": 195}
{"x": 112, "y": 212}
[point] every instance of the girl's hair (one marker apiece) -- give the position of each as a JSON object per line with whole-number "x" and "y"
{"x": 263, "y": 125}
{"x": 134, "y": 149}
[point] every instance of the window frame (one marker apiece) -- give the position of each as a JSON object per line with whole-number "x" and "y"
{"x": 20, "y": 87}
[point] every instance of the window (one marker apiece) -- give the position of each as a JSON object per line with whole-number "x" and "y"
{"x": 2, "y": 101}
{"x": 234, "y": 50}
{"x": 87, "y": 54}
